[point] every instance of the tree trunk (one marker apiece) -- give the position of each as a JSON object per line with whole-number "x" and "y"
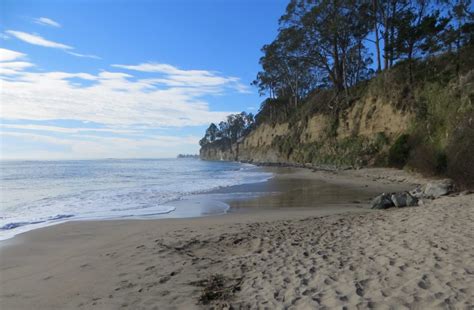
{"x": 377, "y": 39}
{"x": 392, "y": 35}
{"x": 410, "y": 68}
{"x": 338, "y": 74}
{"x": 386, "y": 37}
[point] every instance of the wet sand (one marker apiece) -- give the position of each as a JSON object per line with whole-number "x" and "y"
{"x": 303, "y": 248}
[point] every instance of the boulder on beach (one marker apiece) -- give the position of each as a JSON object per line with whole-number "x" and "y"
{"x": 399, "y": 200}
{"x": 382, "y": 201}
{"x": 431, "y": 190}
{"x": 403, "y": 199}
{"x": 438, "y": 189}
{"x": 418, "y": 192}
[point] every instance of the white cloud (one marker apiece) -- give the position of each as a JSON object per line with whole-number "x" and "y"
{"x": 69, "y": 130}
{"x": 127, "y": 107}
{"x": 84, "y": 55}
{"x": 8, "y": 55}
{"x": 46, "y": 22}
{"x": 9, "y": 64}
{"x": 163, "y": 68}
{"x": 175, "y": 77}
{"x": 37, "y": 40}
{"x": 13, "y": 67}
{"x": 115, "y": 99}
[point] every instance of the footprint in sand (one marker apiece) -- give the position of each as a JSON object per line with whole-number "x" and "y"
{"x": 424, "y": 283}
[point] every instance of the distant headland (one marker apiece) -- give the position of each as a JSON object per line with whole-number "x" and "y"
{"x": 193, "y": 156}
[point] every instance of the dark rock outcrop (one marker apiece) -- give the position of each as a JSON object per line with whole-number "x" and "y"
{"x": 404, "y": 199}
{"x": 382, "y": 201}
{"x": 399, "y": 200}
{"x": 431, "y": 190}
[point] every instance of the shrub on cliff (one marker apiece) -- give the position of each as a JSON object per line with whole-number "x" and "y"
{"x": 460, "y": 153}
{"x": 399, "y": 152}
{"x": 427, "y": 159}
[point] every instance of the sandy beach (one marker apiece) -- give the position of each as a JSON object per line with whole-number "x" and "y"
{"x": 297, "y": 249}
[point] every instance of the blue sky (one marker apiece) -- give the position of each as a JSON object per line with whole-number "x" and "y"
{"x": 125, "y": 79}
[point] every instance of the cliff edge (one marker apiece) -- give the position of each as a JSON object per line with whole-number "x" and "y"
{"x": 426, "y": 125}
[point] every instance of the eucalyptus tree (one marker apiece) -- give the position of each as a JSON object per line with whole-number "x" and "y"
{"x": 286, "y": 71}
{"x": 332, "y": 37}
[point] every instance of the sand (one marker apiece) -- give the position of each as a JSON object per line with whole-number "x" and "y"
{"x": 335, "y": 255}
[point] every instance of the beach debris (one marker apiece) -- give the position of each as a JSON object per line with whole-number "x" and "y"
{"x": 217, "y": 288}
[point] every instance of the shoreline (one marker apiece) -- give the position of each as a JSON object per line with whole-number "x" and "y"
{"x": 283, "y": 181}
{"x": 280, "y": 256}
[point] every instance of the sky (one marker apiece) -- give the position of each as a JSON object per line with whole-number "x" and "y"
{"x": 85, "y": 79}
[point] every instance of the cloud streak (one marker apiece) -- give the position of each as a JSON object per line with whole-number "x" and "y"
{"x": 68, "y": 130}
{"x": 175, "y": 77}
{"x": 84, "y": 55}
{"x": 47, "y": 22}
{"x": 13, "y": 67}
{"x": 8, "y": 55}
{"x": 37, "y": 40}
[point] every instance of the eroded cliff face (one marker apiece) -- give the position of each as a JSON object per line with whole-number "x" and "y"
{"x": 356, "y": 136}
{"x": 220, "y": 150}
{"x": 373, "y": 116}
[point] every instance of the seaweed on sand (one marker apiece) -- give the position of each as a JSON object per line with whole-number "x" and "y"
{"x": 217, "y": 288}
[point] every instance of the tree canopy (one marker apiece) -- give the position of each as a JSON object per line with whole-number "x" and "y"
{"x": 326, "y": 43}
{"x": 329, "y": 46}
{"x": 232, "y": 129}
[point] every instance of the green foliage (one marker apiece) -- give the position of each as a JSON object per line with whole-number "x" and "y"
{"x": 460, "y": 152}
{"x": 352, "y": 151}
{"x": 319, "y": 44}
{"x": 436, "y": 98}
{"x": 399, "y": 151}
{"x": 439, "y": 141}
{"x": 273, "y": 111}
{"x": 427, "y": 158}
{"x": 380, "y": 140}
{"x": 324, "y": 44}
{"x": 235, "y": 127}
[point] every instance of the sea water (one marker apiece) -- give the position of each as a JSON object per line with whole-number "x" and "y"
{"x": 40, "y": 193}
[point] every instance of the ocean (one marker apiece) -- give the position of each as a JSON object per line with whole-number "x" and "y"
{"x": 35, "y": 194}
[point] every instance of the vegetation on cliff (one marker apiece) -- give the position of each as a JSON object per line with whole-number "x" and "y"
{"x": 367, "y": 83}
{"x": 229, "y": 131}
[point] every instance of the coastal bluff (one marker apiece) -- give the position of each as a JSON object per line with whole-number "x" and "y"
{"x": 421, "y": 121}
{"x": 367, "y": 121}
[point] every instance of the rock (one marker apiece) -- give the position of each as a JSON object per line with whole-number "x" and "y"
{"x": 403, "y": 199}
{"x": 399, "y": 200}
{"x": 382, "y": 202}
{"x": 417, "y": 192}
{"x": 438, "y": 189}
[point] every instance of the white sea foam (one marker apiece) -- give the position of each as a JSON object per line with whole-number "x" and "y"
{"x": 38, "y": 194}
